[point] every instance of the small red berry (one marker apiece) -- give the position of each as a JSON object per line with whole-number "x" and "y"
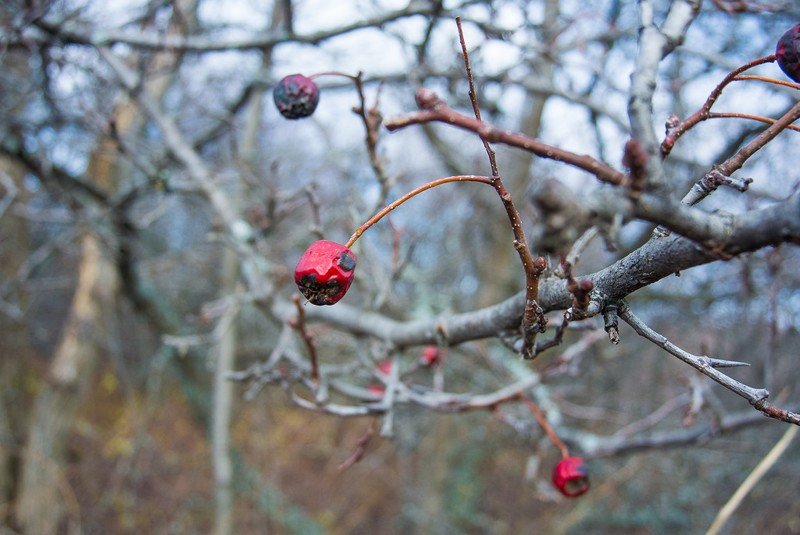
{"x": 571, "y": 476}
{"x": 385, "y": 367}
{"x": 325, "y": 272}
{"x": 431, "y": 356}
{"x": 377, "y": 390}
{"x": 788, "y": 53}
{"x": 296, "y": 96}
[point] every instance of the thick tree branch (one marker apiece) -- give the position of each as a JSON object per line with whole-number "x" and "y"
{"x": 654, "y": 44}
{"x": 658, "y": 258}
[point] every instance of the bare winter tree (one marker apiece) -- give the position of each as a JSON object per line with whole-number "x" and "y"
{"x": 555, "y": 172}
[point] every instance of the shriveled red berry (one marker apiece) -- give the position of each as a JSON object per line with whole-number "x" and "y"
{"x": 431, "y": 356}
{"x": 571, "y": 476}
{"x": 788, "y": 53}
{"x": 325, "y": 272}
{"x": 296, "y": 96}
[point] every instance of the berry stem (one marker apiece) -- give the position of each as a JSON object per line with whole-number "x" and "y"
{"x": 759, "y": 118}
{"x": 542, "y": 420}
{"x": 413, "y": 193}
{"x": 767, "y": 79}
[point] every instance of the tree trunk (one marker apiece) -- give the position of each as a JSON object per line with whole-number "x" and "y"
{"x": 45, "y": 498}
{"x": 16, "y": 353}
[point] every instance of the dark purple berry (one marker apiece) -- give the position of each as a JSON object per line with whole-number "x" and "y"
{"x": 296, "y": 96}
{"x": 788, "y": 53}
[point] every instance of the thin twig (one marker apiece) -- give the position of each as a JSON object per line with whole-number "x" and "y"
{"x": 533, "y": 320}
{"x": 361, "y": 447}
{"x": 300, "y": 326}
{"x": 707, "y": 366}
{"x": 413, "y": 193}
{"x": 435, "y": 110}
{"x": 720, "y": 173}
{"x": 703, "y": 113}
{"x": 759, "y": 118}
{"x": 546, "y": 427}
{"x": 768, "y": 80}
{"x": 372, "y": 119}
{"x": 473, "y": 98}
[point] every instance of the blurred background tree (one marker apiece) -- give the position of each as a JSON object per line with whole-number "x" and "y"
{"x": 156, "y": 376}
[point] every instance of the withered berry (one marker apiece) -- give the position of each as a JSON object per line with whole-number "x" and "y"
{"x": 571, "y": 477}
{"x": 788, "y": 53}
{"x": 296, "y": 96}
{"x": 325, "y": 272}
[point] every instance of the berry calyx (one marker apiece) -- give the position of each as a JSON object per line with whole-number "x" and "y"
{"x": 325, "y": 272}
{"x": 296, "y": 96}
{"x": 788, "y": 53}
{"x": 571, "y": 476}
{"x": 431, "y": 356}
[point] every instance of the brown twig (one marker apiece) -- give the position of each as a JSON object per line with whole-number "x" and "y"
{"x": 546, "y": 427}
{"x": 742, "y": 6}
{"x": 702, "y": 114}
{"x": 735, "y": 162}
{"x": 437, "y": 111}
{"x": 372, "y": 119}
{"x": 413, "y": 193}
{"x": 759, "y": 118}
{"x": 533, "y": 320}
{"x": 299, "y": 324}
{"x": 721, "y": 174}
{"x": 361, "y": 447}
{"x": 556, "y": 340}
{"x": 473, "y": 97}
{"x": 767, "y": 79}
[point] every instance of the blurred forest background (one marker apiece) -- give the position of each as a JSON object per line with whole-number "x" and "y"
{"x": 154, "y": 204}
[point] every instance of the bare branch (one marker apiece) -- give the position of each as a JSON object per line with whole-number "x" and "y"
{"x": 81, "y": 34}
{"x": 705, "y": 365}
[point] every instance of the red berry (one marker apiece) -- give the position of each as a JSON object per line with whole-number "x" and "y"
{"x": 788, "y": 53}
{"x": 376, "y": 390}
{"x": 385, "y": 367}
{"x": 571, "y": 477}
{"x": 296, "y": 96}
{"x": 431, "y": 356}
{"x": 325, "y": 272}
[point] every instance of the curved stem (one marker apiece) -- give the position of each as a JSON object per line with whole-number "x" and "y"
{"x": 413, "y": 193}
{"x": 767, "y": 79}
{"x": 542, "y": 420}
{"x": 759, "y": 118}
